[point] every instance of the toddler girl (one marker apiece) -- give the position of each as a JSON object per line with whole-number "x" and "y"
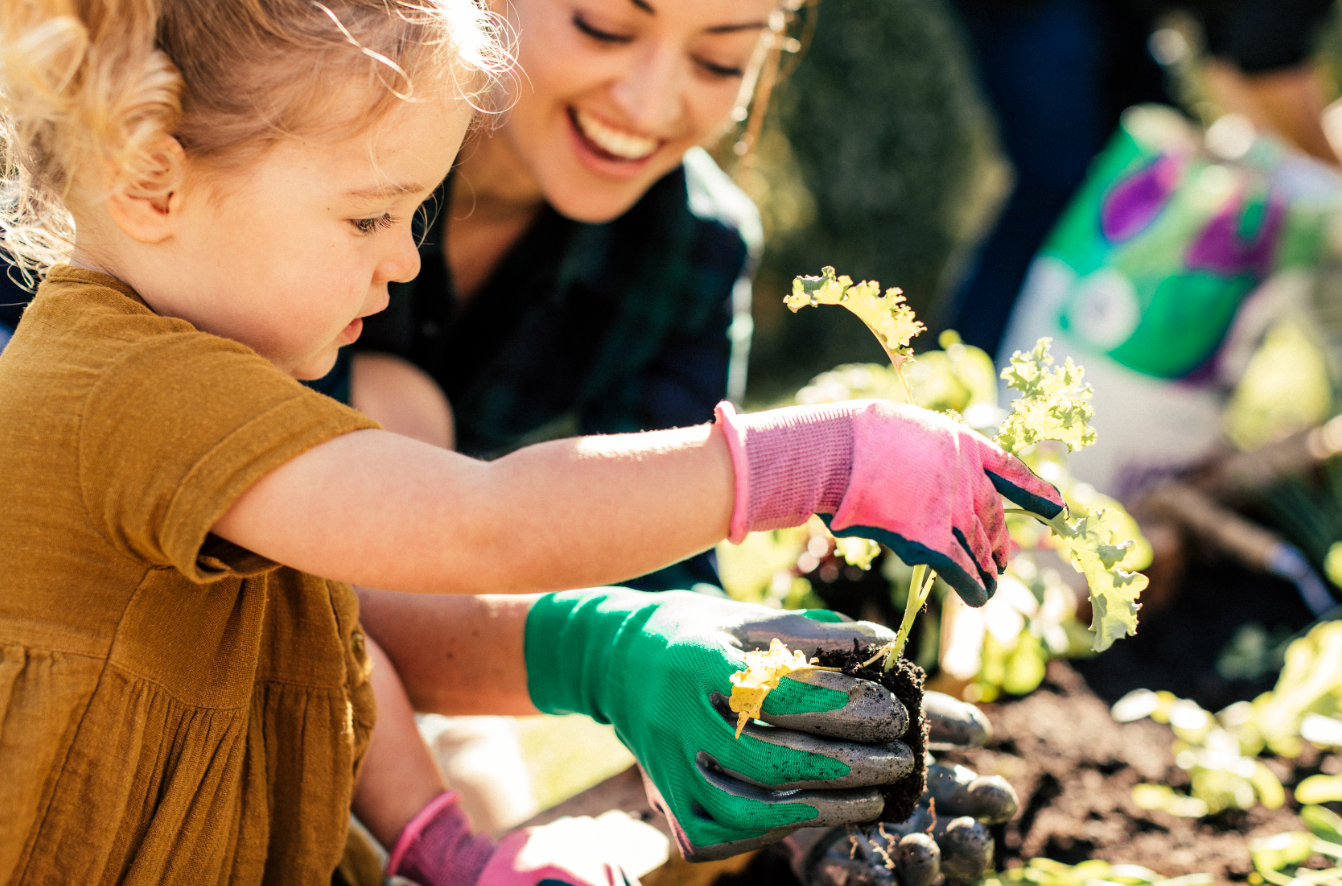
{"x": 215, "y": 193}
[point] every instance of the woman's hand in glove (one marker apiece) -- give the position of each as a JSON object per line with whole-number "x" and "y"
{"x": 659, "y": 667}
{"x": 948, "y": 834}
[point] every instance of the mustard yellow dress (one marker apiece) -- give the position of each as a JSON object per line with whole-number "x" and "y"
{"x": 173, "y": 708}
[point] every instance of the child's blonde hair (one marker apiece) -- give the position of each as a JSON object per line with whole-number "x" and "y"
{"x": 88, "y": 82}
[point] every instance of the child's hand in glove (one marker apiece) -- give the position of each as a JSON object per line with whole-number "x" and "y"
{"x": 927, "y": 487}
{"x": 437, "y": 848}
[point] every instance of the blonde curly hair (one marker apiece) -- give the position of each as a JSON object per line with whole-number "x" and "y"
{"x": 88, "y": 83}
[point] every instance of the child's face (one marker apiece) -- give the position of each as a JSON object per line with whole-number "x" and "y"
{"x": 615, "y": 91}
{"x": 289, "y": 253}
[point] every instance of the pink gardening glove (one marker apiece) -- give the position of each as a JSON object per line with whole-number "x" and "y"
{"x": 437, "y": 848}
{"x": 923, "y": 485}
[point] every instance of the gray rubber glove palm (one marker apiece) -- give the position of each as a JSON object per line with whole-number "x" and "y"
{"x": 658, "y": 667}
{"x": 948, "y": 834}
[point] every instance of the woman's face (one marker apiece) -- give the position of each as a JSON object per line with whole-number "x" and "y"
{"x": 613, "y": 92}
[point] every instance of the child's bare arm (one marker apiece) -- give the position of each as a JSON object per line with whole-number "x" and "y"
{"x": 380, "y": 510}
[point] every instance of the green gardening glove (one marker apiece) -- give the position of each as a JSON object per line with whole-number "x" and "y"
{"x": 658, "y": 667}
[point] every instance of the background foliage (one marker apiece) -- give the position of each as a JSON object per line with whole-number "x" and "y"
{"x": 880, "y": 158}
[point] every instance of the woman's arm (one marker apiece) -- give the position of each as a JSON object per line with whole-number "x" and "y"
{"x": 375, "y": 509}
{"x": 455, "y": 655}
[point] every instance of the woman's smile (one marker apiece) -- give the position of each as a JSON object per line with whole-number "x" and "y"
{"x": 620, "y": 144}
{"x": 608, "y": 151}
{"x": 616, "y": 92}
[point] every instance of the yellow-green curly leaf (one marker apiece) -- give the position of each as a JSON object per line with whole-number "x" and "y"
{"x": 886, "y": 314}
{"x": 762, "y": 673}
{"x": 1053, "y": 404}
{"x": 1113, "y": 590}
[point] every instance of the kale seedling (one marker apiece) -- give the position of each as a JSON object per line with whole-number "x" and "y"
{"x": 1054, "y": 406}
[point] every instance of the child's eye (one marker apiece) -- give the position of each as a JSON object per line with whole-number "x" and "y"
{"x": 596, "y": 33}
{"x": 369, "y": 225}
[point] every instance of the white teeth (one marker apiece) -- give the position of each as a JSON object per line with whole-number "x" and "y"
{"x": 622, "y": 144}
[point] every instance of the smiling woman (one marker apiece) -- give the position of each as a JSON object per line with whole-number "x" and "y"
{"x": 617, "y": 91}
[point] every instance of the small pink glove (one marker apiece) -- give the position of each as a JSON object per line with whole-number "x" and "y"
{"x": 437, "y": 848}
{"x": 923, "y": 485}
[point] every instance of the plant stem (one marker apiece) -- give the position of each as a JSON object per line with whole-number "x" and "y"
{"x": 920, "y": 585}
{"x": 899, "y": 371}
{"x": 1057, "y": 524}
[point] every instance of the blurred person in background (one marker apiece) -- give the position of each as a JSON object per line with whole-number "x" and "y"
{"x": 1059, "y": 72}
{"x": 1182, "y": 269}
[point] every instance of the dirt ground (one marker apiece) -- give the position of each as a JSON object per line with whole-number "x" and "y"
{"x": 1074, "y": 769}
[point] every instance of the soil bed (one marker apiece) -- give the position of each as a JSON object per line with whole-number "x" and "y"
{"x": 1074, "y": 768}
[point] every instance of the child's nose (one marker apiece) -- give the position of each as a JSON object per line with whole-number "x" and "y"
{"x": 402, "y": 264}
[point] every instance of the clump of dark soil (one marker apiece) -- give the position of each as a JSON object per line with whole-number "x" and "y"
{"x": 1074, "y": 768}
{"x": 905, "y": 681}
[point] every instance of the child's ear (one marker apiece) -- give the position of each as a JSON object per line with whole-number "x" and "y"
{"x": 145, "y": 200}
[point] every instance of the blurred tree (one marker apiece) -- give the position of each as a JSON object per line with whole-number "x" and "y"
{"x": 879, "y": 157}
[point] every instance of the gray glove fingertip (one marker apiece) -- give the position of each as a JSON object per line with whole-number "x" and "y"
{"x": 867, "y": 765}
{"x": 966, "y": 848}
{"x": 872, "y": 714}
{"x": 808, "y": 635}
{"x": 994, "y": 800}
{"x": 917, "y": 860}
{"x": 960, "y": 791}
{"x": 954, "y": 723}
{"x": 832, "y": 807}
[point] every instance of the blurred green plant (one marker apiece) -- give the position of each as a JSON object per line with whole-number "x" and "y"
{"x": 1282, "y": 858}
{"x": 1005, "y": 646}
{"x": 1286, "y": 388}
{"x": 1224, "y": 773}
{"x": 1220, "y": 752}
{"x": 1047, "y": 872}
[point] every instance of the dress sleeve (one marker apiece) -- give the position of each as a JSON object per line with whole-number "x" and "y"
{"x": 176, "y": 430}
